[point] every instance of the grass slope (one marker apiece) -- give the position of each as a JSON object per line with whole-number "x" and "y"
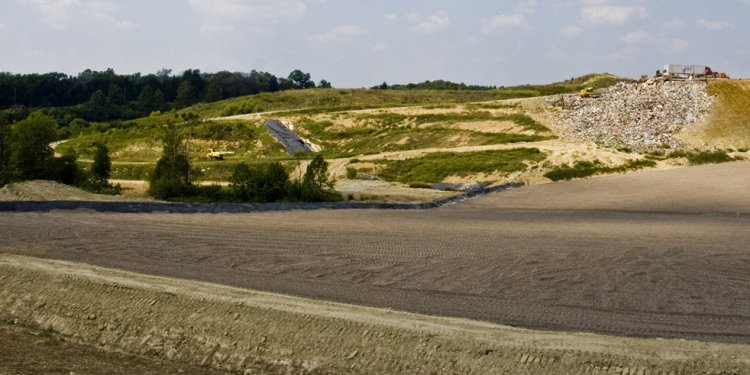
{"x": 436, "y": 167}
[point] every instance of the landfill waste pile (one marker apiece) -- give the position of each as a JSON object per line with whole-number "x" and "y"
{"x": 640, "y": 116}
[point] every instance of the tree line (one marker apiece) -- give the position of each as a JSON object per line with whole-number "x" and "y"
{"x": 432, "y": 85}
{"x": 105, "y": 95}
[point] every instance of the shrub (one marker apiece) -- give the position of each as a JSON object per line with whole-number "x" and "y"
{"x": 584, "y": 169}
{"x": 351, "y": 173}
{"x": 266, "y": 183}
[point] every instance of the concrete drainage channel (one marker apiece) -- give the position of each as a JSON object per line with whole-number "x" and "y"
{"x": 190, "y": 208}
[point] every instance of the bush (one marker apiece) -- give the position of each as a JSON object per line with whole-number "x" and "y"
{"x": 351, "y": 173}
{"x": 266, "y": 183}
{"x": 709, "y": 157}
{"x": 585, "y": 169}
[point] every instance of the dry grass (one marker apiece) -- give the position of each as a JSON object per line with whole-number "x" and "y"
{"x": 729, "y": 124}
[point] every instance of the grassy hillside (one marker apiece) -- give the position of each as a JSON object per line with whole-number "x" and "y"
{"x": 326, "y": 100}
{"x": 345, "y": 123}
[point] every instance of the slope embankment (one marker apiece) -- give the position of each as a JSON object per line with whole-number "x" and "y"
{"x": 238, "y": 330}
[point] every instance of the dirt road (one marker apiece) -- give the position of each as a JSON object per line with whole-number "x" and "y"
{"x": 659, "y": 253}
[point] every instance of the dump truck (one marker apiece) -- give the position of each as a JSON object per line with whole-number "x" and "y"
{"x": 217, "y": 155}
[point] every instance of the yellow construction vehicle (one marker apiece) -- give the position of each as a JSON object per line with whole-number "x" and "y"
{"x": 217, "y": 155}
{"x": 585, "y": 93}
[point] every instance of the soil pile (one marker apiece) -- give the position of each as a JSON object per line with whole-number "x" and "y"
{"x": 637, "y": 115}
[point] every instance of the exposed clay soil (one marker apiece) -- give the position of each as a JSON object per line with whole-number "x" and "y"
{"x": 657, "y": 254}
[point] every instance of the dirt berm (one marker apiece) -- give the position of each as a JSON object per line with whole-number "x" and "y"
{"x": 243, "y": 331}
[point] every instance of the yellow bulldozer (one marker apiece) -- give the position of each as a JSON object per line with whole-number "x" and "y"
{"x": 587, "y": 92}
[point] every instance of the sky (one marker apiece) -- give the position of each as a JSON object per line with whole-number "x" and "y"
{"x": 362, "y": 43}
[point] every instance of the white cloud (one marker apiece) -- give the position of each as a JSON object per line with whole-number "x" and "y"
{"x": 712, "y": 25}
{"x": 391, "y": 17}
{"x": 678, "y": 45}
{"x": 503, "y": 21}
{"x": 637, "y": 37}
{"x": 570, "y": 31}
{"x": 340, "y": 34}
{"x": 431, "y": 24}
{"x": 379, "y": 47}
{"x": 248, "y": 9}
{"x": 56, "y": 13}
{"x": 603, "y": 13}
{"x": 675, "y": 24}
{"x": 60, "y": 13}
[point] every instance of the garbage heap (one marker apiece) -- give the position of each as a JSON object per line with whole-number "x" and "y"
{"x": 640, "y": 116}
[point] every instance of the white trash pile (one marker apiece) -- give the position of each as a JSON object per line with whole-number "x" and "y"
{"x": 637, "y": 115}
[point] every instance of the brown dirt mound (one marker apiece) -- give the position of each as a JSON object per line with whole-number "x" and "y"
{"x": 41, "y": 190}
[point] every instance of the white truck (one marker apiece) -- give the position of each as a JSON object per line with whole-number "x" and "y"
{"x": 677, "y": 71}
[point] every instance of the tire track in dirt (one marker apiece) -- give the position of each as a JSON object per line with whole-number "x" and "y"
{"x": 228, "y": 329}
{"x": 672, "y": 270}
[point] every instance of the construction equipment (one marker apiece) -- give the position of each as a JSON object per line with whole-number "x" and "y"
{"x": 587, "y": 92}
{"x": 217, "y": 155}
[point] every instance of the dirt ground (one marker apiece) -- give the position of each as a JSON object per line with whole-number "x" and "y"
{"x": 34, "y": 351}
{"x": 176, "y": 326}
{"x": 651, "y": 254}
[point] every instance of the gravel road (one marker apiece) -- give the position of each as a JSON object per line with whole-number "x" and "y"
{"x": 658, "y": 253}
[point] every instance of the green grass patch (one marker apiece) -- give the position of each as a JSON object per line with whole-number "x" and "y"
{"x": 436, "y": 167}
{"x": 704, "y": 157}
{"x": 585, "y": 169}
{"x": 397, "y": 119}
{"x": 141, "y": 142}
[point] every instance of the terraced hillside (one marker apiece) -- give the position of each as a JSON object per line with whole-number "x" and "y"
{"x": 402, "y": 145}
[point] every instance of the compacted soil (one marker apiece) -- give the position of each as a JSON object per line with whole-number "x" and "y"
{"x": 652, "y": 254}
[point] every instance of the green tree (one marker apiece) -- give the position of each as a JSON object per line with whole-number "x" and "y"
{"x": 145, "y": 101}
{"x": 5, "y": 149}
{"x": 266, "y": 183}
{"x": 301, "y": 80}
{"x": 116, "y": 95}
{"x": 324, "y": 84}
{"x": 214, "y": 92}
{"x": 171, "y": 176}
{"x": 102, "y": 166}
{"x": 185, "y": 94}
{"x": 66, "y": 169}
{"x": 159, "y": 102}
{"x": 32, "y": 156}
{"x": 316, "y": 181}
{"x": 97, "y": 107}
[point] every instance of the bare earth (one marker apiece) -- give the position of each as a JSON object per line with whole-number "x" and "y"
{"x": 176, "y": 325}
{"x": 652, "y": 254}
